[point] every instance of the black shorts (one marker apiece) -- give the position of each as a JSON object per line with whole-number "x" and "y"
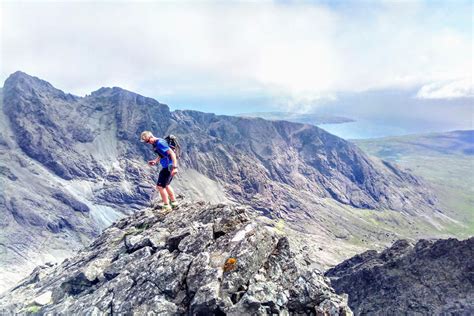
{"x": 164, "y": 178}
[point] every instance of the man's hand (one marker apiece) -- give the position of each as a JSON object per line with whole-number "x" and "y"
{"x": 152, "y": 162}
{"x": 174, "y": 171}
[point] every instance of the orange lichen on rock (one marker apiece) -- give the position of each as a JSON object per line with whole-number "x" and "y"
{"x": 230, "y": 264}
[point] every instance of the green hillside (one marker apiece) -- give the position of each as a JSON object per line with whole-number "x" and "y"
{"x": 445, "y": 160}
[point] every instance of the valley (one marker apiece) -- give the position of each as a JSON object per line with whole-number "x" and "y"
{"x": 445, "y": 160}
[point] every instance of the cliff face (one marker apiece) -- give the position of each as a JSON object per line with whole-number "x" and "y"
{"x": 428, "y": 278}
{"x": 201, "y": 259}
{"x": 255, "y": 157}
{"x": 70, "y": 166}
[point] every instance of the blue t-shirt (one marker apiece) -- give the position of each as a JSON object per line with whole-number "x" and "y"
{"x": 161, "y": 147}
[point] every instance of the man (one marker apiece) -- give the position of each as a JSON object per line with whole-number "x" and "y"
{"x": 169, "y": 164}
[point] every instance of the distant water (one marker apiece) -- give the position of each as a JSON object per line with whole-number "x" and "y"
{"x": 362, "y": 129}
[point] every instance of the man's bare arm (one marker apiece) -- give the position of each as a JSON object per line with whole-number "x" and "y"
{"x": 175, "y": 161}
{"x": 173, "y": 157}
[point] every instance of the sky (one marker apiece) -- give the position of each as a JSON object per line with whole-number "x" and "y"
{"x": 232, "y": 57}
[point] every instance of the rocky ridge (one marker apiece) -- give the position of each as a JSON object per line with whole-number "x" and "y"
{"x": 201, "y": 259}
{"x": 431, "y": 277}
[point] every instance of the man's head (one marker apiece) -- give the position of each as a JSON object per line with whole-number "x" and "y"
{"x": 146, "y": 137}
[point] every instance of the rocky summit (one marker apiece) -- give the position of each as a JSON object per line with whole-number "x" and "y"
{"x": 432, "y": 277}
{"x": 200, "y": 259}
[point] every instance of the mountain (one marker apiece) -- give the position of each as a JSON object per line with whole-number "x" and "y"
{"x": 52, "y": 127}
{"x": 306, "y": 118}
{"x": 432, "y": 277}
{"x": 70, "y": 166}
{"x": 201, "y": 259}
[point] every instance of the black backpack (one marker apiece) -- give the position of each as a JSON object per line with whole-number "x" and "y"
{"x": 174, "y": 144}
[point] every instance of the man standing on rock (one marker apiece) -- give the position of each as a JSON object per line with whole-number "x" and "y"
{"x": 169, "y": 164}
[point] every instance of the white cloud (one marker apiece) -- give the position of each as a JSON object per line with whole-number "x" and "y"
{"x": 447, "y": 90}
{"x": 298, "y": 52}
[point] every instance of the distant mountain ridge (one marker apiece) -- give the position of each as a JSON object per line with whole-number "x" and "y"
{"x": 454, "y": 142}
{"x": 70, "y": 166}
{"x": 305, "y": 118}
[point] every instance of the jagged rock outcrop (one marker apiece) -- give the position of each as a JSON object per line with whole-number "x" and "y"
{"x": 432, "y": 277}
{"x": 201, "y": 259}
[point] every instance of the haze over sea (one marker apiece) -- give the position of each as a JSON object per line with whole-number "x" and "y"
{"x": 367, "y": 128}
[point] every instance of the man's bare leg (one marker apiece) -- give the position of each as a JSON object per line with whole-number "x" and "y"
{"x": 163, "y": 193}
{"x": 170, "y": 192}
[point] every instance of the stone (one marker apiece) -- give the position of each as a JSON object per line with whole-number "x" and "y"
{"x": 95, "y": 269}
{"x": 135, "y": 242}
{"x": 44, "y": 298}
{"x": 158, "y": 238}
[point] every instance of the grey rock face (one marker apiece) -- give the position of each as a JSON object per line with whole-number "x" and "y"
{"x": 71, "y": 202}
{"x": 429, "y": 278}
{"x": 186, "y": 262}
{"x": 44, "y": 121}
{"x": 254, "y": 157}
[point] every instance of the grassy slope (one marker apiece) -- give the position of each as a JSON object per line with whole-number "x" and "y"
{"x": 445, "y": 160}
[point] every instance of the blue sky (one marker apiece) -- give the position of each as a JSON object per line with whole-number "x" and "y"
{"x": 231, "y": 57}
